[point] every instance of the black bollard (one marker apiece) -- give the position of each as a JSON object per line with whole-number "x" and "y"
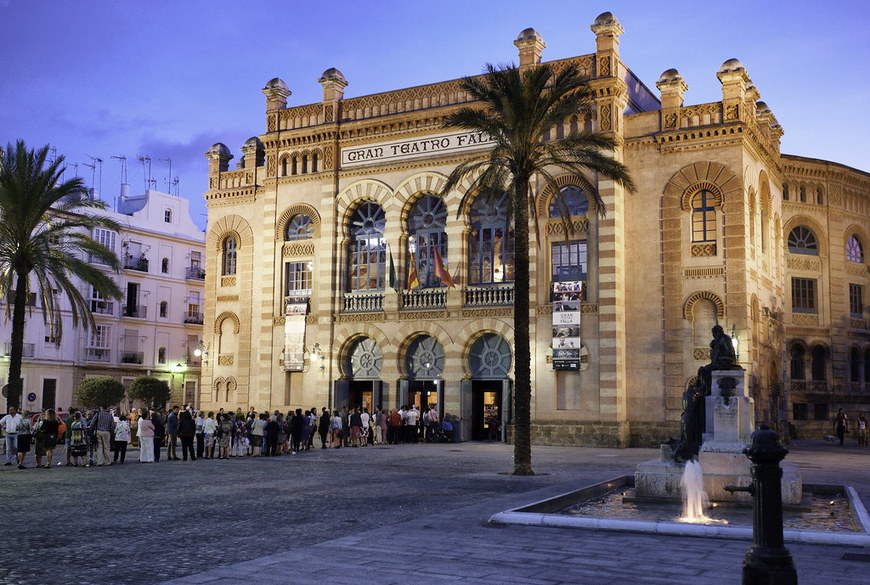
{"x": 767, "y": 561}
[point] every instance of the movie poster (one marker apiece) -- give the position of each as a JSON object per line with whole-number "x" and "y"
{"x": 566, "y": 324}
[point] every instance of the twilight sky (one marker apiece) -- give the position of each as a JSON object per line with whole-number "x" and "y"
{"x": 167, "y": 79}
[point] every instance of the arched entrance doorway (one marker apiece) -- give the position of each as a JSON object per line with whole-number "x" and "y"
{"x": 485, "y": 399}
{"x": 363, "y": 387}
{"x": 424, "y": 363}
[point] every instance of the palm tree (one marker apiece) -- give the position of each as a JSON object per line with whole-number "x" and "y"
{"x": 517, "y": 109}
{"x": 45, "y": 236}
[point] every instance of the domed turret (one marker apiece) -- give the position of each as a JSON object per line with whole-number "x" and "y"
{"x": 219, "y": 150}
{"x": 276, "y": 92}
{"x": 276, "y": 83}
{"x": 333, "y": 83}
{"x": 731, "y": 65}
{"x": 605, "y": 18}
{"x": 670, "y": 76}
{"x": 531, "y": 45}
{"x": 218, "y": 158}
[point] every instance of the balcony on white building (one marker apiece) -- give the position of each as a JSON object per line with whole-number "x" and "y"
{"x": 194, "y": 273}
{"x": 132, "y": 357}
{"x": 491, "y": 295}
{"x": 195, "y": 318}
{"x": 28, "y": 352}
{"x": 98, "y": 354}
{"x": 103, "y": 307}
{"x": 135, "y": 311}
{"x": 132, "y": 263}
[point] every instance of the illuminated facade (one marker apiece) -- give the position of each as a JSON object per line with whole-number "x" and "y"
{"x": 301, "y": 309}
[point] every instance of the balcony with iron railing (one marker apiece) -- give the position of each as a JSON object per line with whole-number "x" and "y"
{"x": 132, "y": 357}
{"x": 424, "y": 299}
{"x": 490, "y": 295}
{"x": 363, "y": 302}
{"x": 102, "y": 307}
{"x": 194, "y": 273}
{"x": 132, "y": 263}
{"x": 98, "y": 354}
{"x": 135, "y": 311}
{"x": 29, "y": 349}
{"x": 194, "y": 318}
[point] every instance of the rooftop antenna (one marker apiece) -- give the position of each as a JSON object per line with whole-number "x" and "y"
{"x": 175, "y": 182}
{"x": 123, "y": 160}
{"x": 169, "y": 178}
{"x": 146, "y": 168}
{"x": 97, "y": 165}
{"x": 93, "y": 168}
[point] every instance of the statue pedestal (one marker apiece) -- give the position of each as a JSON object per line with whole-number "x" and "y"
{"x": 730, "y": 420}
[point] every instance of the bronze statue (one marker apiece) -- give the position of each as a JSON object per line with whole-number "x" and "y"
{"x": 693, "y": 422}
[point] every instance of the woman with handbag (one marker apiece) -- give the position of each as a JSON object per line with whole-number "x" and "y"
{"x": 145, "y": 432}
{"x": 46, "y": 437}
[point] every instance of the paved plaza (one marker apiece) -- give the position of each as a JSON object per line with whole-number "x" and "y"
{"x": 385, "y": 515}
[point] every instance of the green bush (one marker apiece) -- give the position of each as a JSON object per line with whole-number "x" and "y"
{"x": 152, "y": 391}
{"x": 99, "y": 391}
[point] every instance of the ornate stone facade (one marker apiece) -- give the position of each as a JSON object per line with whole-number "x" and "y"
{"x": 704, "y": 240}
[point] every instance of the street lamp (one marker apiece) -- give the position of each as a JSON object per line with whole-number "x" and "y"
{"x": 317, "y": 353}
{"x": 734, "y": 342}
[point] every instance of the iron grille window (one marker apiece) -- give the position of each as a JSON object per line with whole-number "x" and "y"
{"x": 703, "y": 217}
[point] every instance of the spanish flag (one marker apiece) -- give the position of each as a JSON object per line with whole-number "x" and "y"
{"x": 412, "y": 274}
{"x": 441, "y": 270}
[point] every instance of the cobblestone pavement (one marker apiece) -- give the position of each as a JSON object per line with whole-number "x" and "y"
{"x": 382, "y": 515}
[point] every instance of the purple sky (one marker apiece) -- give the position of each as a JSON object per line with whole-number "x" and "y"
{"x": 167, "y": 79}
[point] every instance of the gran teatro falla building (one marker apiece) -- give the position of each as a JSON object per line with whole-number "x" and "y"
{"x": 332, "y": 198}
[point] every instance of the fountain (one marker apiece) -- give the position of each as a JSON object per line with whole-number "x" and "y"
{"x": 695, "y": 500}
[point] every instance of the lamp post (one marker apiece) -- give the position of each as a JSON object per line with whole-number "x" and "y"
{"x": 734, "y": 341}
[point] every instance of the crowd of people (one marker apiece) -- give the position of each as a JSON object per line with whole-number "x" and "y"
{"x": 101, "y": 438}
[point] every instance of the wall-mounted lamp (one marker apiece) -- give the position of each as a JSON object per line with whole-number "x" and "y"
{"x": 734, "y": 341}
{"x": 201, "y": 350}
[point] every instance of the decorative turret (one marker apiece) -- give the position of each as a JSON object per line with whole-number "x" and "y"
{"x": 218, "y": 158}
{"x": 531, "y": 45}
{"x": 276, "y": 92}
{"x": 734, "y": 80}
{"x": 672, "y": 86}
{"x": 607, "y": 31}
{"x": 333, "y": 83}
{"x": 254, "y": 154}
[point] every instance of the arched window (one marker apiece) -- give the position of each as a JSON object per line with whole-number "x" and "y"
{"x": 703, "y": 217}
{"x": 819, "y": 368}
{"x": 228, "y": 264}
{"x": 284, "y": 167}
{"x": 803, "y": 192}
{"x": 763, "y": 230}
{"x": 573, "y": 200}
{"x": 300, "y": 227}
{"x": 819, "y": 196}
{"x": 785, "y": 192}
{"x": 802, "y": 240}
{"x": 294, "y": 166}
{"x": 314, "y": 163}
{"x": 854, "y": 250}
{"x": 490, "y": 243}
{"x": 167, "y": 216}
{"x": 855, "y": 365}
{"x": 368, "y": 251}
{"x": 164, "y": 266}
{"x": 797, "y": 362}
{"x": 426, "y": 225}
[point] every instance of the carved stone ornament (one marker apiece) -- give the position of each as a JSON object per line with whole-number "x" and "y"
{"x": 706, "y": 249}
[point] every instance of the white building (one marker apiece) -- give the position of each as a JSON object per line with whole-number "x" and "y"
{"x": 153, "y": 330}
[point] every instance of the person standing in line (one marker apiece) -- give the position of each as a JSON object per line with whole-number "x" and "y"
{"x": 364, "y": 427}
{"x": 411, "y": 424}
{"x": 103, "y": 425}
{"x": 10, "y": 424}
{"x": 172, "y": 434}
{"x": 159, "y": 432}
{"x": 145, "y": 432}
{"x": 335, "y": 426}
{"x": 862, "y": 430}
{"x": 273, "y": 429}
{"x": 323, "y": 427}
{"x": 186, "y": 432}
{"x": 200, "y": 433}
{"x": 78, "y": 439}
{"x": 122, "y": 437}
{"x": 258, "y": 430}
{"x": 225, "y": 436}
{"x": 840, "y": 422}
{"x": 25, "y": 434}
{"x": 209, "y": 429}
{"x": 383, "y": 423}
{"x": 345, "y": 426}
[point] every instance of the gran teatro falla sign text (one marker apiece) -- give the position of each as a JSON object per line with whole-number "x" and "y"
{"x": 439, "y": 144}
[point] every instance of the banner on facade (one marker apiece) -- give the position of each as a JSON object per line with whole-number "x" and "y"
{"x": 566, "y": 325}
{"x": 294, "y": 336}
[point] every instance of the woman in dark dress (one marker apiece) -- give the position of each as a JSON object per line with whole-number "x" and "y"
{"x": 186, "y": 432}
{"x": 47, "y": 437}
{"x": 323, "y": 427}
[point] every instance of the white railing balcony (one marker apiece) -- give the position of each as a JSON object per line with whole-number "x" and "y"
{"x": 363, "y": 302}
{"x": 132, "y": 357}
{"x": 490, "y": 295}
{"x": 424, "y": 298}
{"x": 29, "y": 349}
{"x": 98, "y": 354}
{"x": 194, "y": 273}
{"x": 136, "y": 311}
{"x": 194, "y": 318}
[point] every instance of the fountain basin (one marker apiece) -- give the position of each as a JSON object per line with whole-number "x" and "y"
{"x": 550, "y": 512}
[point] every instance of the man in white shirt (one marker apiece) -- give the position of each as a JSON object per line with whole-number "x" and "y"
{"x": 411, "y": 424}
{"x": 10, "y": 423}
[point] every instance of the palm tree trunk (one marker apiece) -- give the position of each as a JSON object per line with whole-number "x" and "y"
{"x": 522, "y": 351}
{"x": 17, "y": 343}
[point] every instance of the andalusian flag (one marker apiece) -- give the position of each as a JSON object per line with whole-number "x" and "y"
{"x": 412, "y": 274}
{"x": 441, "y": 270}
